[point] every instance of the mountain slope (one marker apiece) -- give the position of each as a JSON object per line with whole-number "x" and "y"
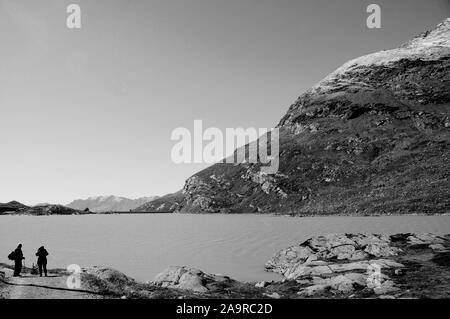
{"x": 12, "y": 207}
{"x": 373, "y": 137}
{"x": 51, "y": 209}
{"x": 109, "y": 203}
{"x": 167, "y": 203}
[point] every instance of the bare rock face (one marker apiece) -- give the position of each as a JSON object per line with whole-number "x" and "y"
{"x": 187, "y": 278}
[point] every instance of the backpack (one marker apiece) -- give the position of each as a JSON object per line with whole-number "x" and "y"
{"x": 12, "y": 255}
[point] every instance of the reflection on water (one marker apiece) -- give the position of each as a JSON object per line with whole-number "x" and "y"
{"x": 144, "y": 245}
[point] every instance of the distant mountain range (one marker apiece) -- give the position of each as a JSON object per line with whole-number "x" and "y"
{"x": 16, "y": 208}
{"x": 111, "y": 203}
{"x": 99, "y": 204}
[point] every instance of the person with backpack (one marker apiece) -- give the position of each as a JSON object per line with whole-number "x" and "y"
{"x": 42, "y": 260}
{"x": 17, "y": 256}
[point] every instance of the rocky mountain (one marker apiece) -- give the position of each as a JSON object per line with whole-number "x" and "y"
{"x": 50, "y": 209}
{"x": 165, "y": 204}
{"x": 109, "y": 203}
{"x": 12, "y": 207}
{"x": 16, "y": 208}
{"x": 373, "y": 137}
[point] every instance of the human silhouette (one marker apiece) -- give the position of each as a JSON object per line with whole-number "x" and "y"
{"x": 42, "y": 260}
{"x": 18, "y": 257}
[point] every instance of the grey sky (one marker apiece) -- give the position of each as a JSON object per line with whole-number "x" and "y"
{"x": 90, "y": 112}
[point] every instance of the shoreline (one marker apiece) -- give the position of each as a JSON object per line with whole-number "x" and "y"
{"x": 335, "y": 266}
{"x": 222, "y": 214}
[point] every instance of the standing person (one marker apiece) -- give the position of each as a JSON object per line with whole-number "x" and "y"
{"x": 42, "y": 260}
{"x": 18, "y": 257}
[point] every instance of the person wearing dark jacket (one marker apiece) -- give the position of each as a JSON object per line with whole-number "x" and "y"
{"x": 42, "y": 260}
{"x": 18, "y": 257}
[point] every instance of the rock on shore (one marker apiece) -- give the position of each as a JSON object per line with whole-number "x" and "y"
{"x": 189, "y": 278}
{"x": 345, "y": 263}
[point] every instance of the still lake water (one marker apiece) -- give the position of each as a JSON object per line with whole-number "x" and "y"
{"x": 143, "y": 245}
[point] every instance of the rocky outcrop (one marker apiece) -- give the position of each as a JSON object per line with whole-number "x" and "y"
{"x": 187, "y": 278}
{"x": 345, "y": 263}
{"x": 362, "y": 141}
{"x": 313, "y": 255}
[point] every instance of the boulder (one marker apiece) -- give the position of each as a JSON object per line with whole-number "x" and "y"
{"x": 342, "y": 252}
{"x": 274, "y": 295}
{"x": 187, "y": 278}
{"x": 108, "y": 275}
{"x": 381, "y": 250}
{"x": 181, "y": 278}
{"x": 318, "y": 255}
{"x": 106, "y": 280}
{"x": 292, "y": 255}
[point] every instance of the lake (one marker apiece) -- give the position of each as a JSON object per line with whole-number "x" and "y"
{"x": 144, "y": 245}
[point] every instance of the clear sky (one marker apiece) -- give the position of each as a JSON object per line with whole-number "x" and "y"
{"x": 90, "y": 112}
